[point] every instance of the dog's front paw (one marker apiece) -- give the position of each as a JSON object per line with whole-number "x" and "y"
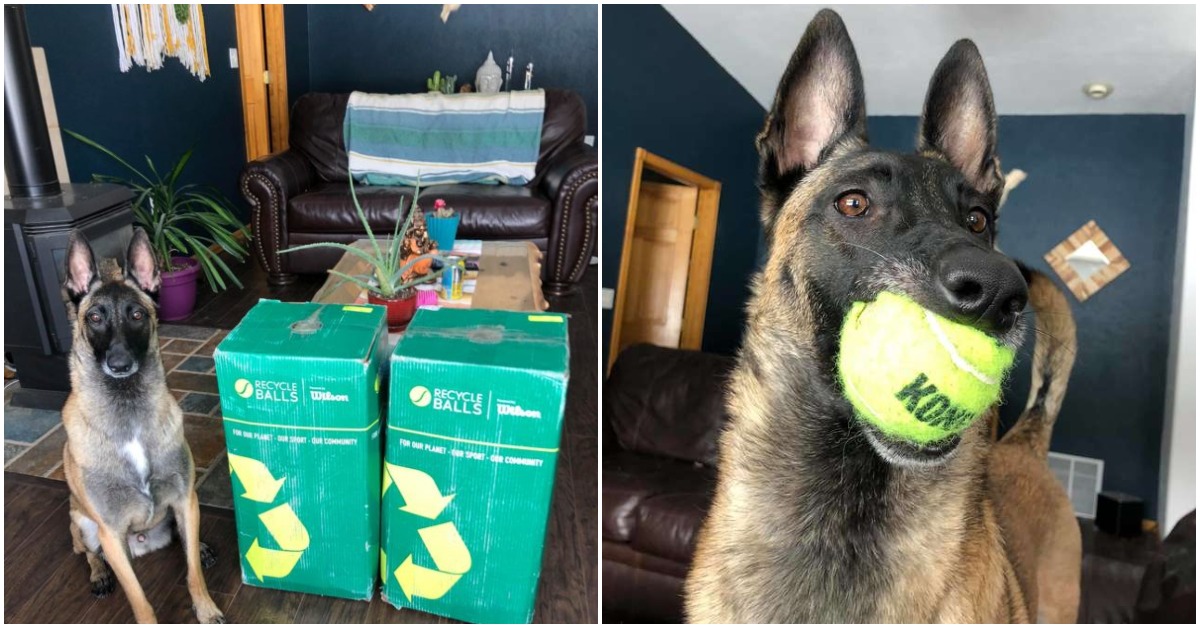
{"x": 103, "y": 585}
{"x": 208, "y": 556}
{"x": 211, "y": 615}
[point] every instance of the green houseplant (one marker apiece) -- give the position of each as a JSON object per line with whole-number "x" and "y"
{"x": 394, "y": 274}
{"x": 183, "y": 222}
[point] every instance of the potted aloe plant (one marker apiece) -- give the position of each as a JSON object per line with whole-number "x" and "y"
{"x": 395, "y": 272}
{"x": 183, "y": 222}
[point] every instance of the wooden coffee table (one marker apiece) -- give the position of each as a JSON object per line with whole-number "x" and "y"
{"x": 510, "y": 278}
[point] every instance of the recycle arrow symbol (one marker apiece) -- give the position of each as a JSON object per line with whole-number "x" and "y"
{"x": 451, "y": 556}
{"x": 421, "y": 495}
{"x": 260, "y": 485}
{"x": 449, "y": 553}
{"x": 280, "y": 522}
{"x": 291, "y": 535}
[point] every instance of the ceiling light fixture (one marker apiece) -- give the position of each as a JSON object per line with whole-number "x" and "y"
{"x": 1097, "y": 91}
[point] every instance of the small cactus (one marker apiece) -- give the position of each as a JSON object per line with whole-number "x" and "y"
{"x": 434, "y": 84}
{"x": 440, "y": 210}
{"x": 439, "y": 83}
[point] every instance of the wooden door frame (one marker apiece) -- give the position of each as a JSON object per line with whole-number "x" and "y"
{"x": 262, "y": 67}
{"x": 695, "y": 303}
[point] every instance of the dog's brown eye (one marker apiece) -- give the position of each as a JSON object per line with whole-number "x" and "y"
{"x": 977, "y": 220}
{"x": 137, "y": 315}
{"x": 853, "y": 204}
{"x": 94, "y": 317}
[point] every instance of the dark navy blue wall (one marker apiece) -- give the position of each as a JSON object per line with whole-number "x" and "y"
{"x": 396, "y": 47}
{"x": 160, "y": 113}
{"x": 295, "y": 26}
{"x": 663, "y": 92}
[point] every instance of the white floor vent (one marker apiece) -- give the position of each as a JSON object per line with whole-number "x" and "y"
{"x": 1083, "y": 479}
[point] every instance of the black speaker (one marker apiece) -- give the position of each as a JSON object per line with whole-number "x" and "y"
{"x": 1119, "y": 513}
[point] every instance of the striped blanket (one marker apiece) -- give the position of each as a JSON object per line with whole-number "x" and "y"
{"x": 463, "y": 138}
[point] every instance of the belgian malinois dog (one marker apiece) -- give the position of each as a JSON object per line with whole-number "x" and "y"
{"x": 818, "y": 517}
{"x": 127, "y": 464}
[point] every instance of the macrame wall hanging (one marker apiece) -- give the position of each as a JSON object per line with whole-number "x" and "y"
{"x": 148, "y": 33}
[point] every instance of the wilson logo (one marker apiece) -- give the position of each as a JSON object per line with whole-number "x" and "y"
{"x": 506, "y": 409}
{"x": 325, "y": 395}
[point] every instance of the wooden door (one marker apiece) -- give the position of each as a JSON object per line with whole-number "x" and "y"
{"x": 262, "y": 66}
{"x": 666, "y": 258}
{"x": 660, "y": 252}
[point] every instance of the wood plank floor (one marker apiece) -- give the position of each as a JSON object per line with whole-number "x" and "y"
{"x": 45, "y": 582}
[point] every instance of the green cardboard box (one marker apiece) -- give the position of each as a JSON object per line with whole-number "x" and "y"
{"x": 299, "y": 387}
{"x": 474, "y": 417}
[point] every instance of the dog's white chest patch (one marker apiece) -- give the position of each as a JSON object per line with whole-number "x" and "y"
{"x": 135, "y": 453}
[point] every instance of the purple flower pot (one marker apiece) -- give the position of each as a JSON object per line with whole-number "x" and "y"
{"x": 177, "y": 296}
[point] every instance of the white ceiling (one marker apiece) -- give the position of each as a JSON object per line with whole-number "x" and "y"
{"x": 1038, "y": 57}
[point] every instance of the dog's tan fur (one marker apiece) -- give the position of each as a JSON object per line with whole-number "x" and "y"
{"x": 92, "y": 459}
{"x": 1034, "y": 511}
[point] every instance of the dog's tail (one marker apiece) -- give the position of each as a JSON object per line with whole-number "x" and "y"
{"x": 1053, "y": 358}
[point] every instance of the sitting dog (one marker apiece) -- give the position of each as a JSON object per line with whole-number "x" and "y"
{"x": 817, "y": 517}
{"x": 127, "y": 464}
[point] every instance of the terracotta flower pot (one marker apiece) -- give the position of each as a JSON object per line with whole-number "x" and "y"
{"x": 400, "y": 308}
{"x": 177, "y": 296}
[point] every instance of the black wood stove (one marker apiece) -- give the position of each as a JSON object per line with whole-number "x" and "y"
{"x": 38, "y": 215}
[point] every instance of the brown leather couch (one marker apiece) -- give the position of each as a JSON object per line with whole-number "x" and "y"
{"x": 302, "y": 195}
{"x": 663, "y": 412}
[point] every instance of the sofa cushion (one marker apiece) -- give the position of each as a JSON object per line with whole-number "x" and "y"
{"x": 493, "y": 212}
{"x": 316, "y": 132}
{"x": 329, "y": 208}
{"x": 667, "y": 523}
{"x": 667, "y": 402}
{"x": 630, "y": 480}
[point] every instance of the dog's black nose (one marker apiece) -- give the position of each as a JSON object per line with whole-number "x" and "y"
{"x": 119, "y": 362}
{"x": 983, "y": 288}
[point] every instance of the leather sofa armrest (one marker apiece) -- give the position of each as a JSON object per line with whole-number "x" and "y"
{"x": 268, "y": 183}
{"x": 571, "y": 183}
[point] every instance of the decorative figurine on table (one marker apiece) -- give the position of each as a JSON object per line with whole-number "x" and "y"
{"x": 417, "y": 242}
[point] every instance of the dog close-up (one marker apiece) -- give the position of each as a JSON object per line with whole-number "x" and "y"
{"x": 821, "y": 515}
{"x": 127, "y": 464}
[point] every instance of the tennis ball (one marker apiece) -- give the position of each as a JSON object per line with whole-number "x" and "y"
{"x": 914, "y": 375}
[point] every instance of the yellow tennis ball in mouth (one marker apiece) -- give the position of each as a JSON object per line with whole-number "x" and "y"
{"x": 914, "y": 375}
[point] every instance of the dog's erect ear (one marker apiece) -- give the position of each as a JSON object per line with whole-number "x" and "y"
{"x": 81, "y": 267}
{"x": 820, "y": 101}
{"x": 959, "y": 119}
{"x": 140, "y": 262}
